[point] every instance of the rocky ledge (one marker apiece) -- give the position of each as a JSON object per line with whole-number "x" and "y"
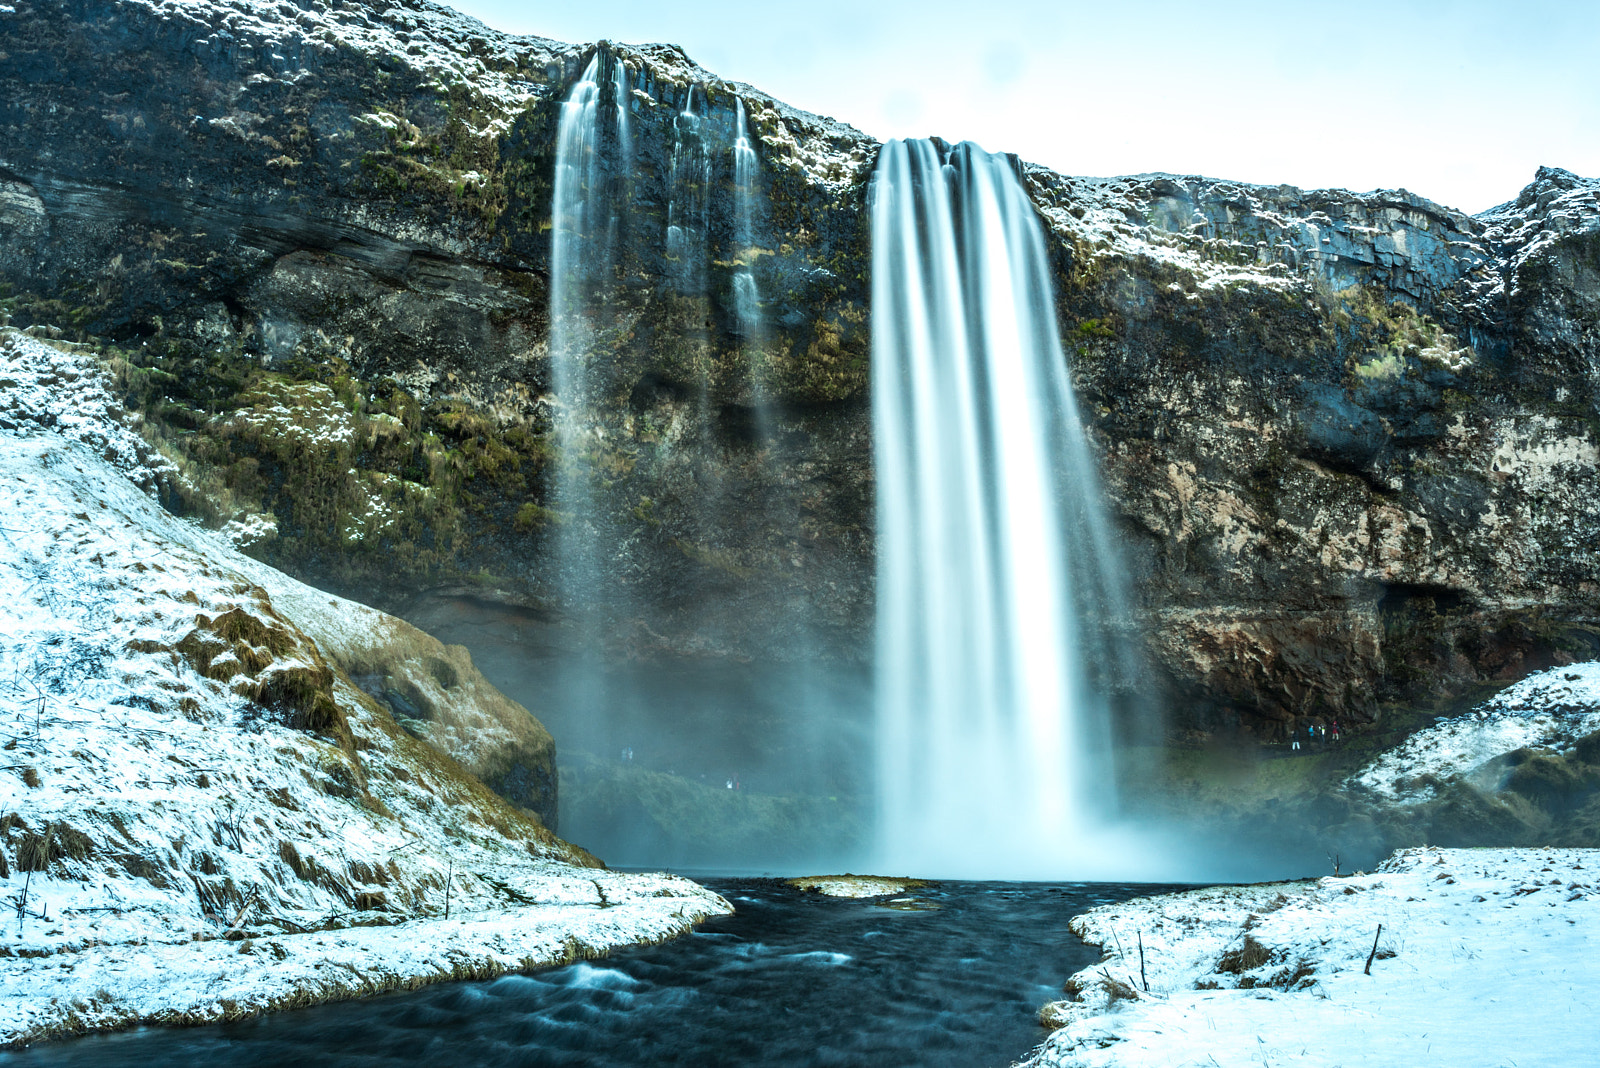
{"x": 856, "y": 885}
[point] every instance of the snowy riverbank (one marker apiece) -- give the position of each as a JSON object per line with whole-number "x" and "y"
{"x": 201, "y": 815}
{"x": 1487, "y": 957}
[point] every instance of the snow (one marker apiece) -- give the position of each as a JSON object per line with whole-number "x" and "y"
{"x": 53, "y": 387}
{"x": 1240, "y": 236}
{"x": 1549, "y": 709}
{"x": 1557, "y": 205}
{"x": 445, "y": 46}
{"x": 201, "y": 858}
{"x": 506, "y": 73}
{"x": 1487, "y": 957}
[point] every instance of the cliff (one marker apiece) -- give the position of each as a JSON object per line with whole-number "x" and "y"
{"x": 1351, "y": 440}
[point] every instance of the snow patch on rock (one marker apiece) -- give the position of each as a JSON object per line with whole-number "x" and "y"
{"x": 1550, "y": 709}
{"x": 49, "y": 386}
{"x": 445, "y": 46}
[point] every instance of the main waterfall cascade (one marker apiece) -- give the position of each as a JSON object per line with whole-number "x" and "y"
{"x": 997, "y": 583}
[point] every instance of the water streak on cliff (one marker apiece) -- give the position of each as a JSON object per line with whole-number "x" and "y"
{"x": 689, "y": 203}
{"x": 591, "y": 196}
{"x": 995, "y": 575}
{"x": 746, "y": 295}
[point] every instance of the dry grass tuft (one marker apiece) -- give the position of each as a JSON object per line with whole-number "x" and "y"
{"x": 297, "y": 864}
{"x": 371, "y": 900}
{"x": 58, "y": 841}
{"x": 266, "y": 660}
{"x": 1249, "y": 956}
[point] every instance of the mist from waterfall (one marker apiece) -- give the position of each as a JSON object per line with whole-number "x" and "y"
{"x": 997, "y": 585}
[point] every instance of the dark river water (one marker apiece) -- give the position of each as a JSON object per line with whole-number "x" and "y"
{"x": 793, "y": 979}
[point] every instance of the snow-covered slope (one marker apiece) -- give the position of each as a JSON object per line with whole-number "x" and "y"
{"x": 1549, "y": 709}
{"x": 200, "y": 815}
{"x": 1486, "y": 957}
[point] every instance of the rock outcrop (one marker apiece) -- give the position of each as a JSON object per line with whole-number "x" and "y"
{"x": 1352, "y": 440}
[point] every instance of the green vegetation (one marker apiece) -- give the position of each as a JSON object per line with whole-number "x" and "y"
{"x": 455, "y": 160}
{"x": 369, "y": 487}
{"x": 1385, "y": 334}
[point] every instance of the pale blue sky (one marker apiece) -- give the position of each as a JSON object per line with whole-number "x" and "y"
{"x": 1456, "y": 102}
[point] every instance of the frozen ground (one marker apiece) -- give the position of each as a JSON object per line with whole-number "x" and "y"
{"x": 199, "y": 817}
{"x": 1487, "y": 957}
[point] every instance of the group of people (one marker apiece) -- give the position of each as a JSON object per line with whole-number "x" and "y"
{"x": 1321, "y": 733}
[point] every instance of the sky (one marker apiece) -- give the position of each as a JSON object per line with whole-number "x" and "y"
{"x": 1457, "y": 102}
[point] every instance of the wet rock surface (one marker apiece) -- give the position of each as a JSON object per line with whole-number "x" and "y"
{"x": 1350, "y": 439}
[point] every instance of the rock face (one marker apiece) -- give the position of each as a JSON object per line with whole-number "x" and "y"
{"x": 1351, "y": 439}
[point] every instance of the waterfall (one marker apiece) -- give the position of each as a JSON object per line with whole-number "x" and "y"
{"x": 746, "y": 297}
{"x": 996, "y": 578}
{"x": 588, "y": 216}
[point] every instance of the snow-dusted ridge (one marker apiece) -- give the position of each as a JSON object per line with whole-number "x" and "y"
{"x": 506, "y": 72}
{"x": 200, "y": 818}
{"x": 1557, "y": 204}
{"x": 1486, "y": 957}
{"x": 440, "y": 43}
{"x": 1221, "y": 235}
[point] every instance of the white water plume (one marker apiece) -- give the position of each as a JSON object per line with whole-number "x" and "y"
{"x": 746, "y": 295}
{"x": 589, "y": 213}
{"x": 574, "y": 216}
{"x": 996, "y": 580}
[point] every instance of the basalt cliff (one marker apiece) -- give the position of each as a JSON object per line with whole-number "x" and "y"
{"x": 1350, "y": 441}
